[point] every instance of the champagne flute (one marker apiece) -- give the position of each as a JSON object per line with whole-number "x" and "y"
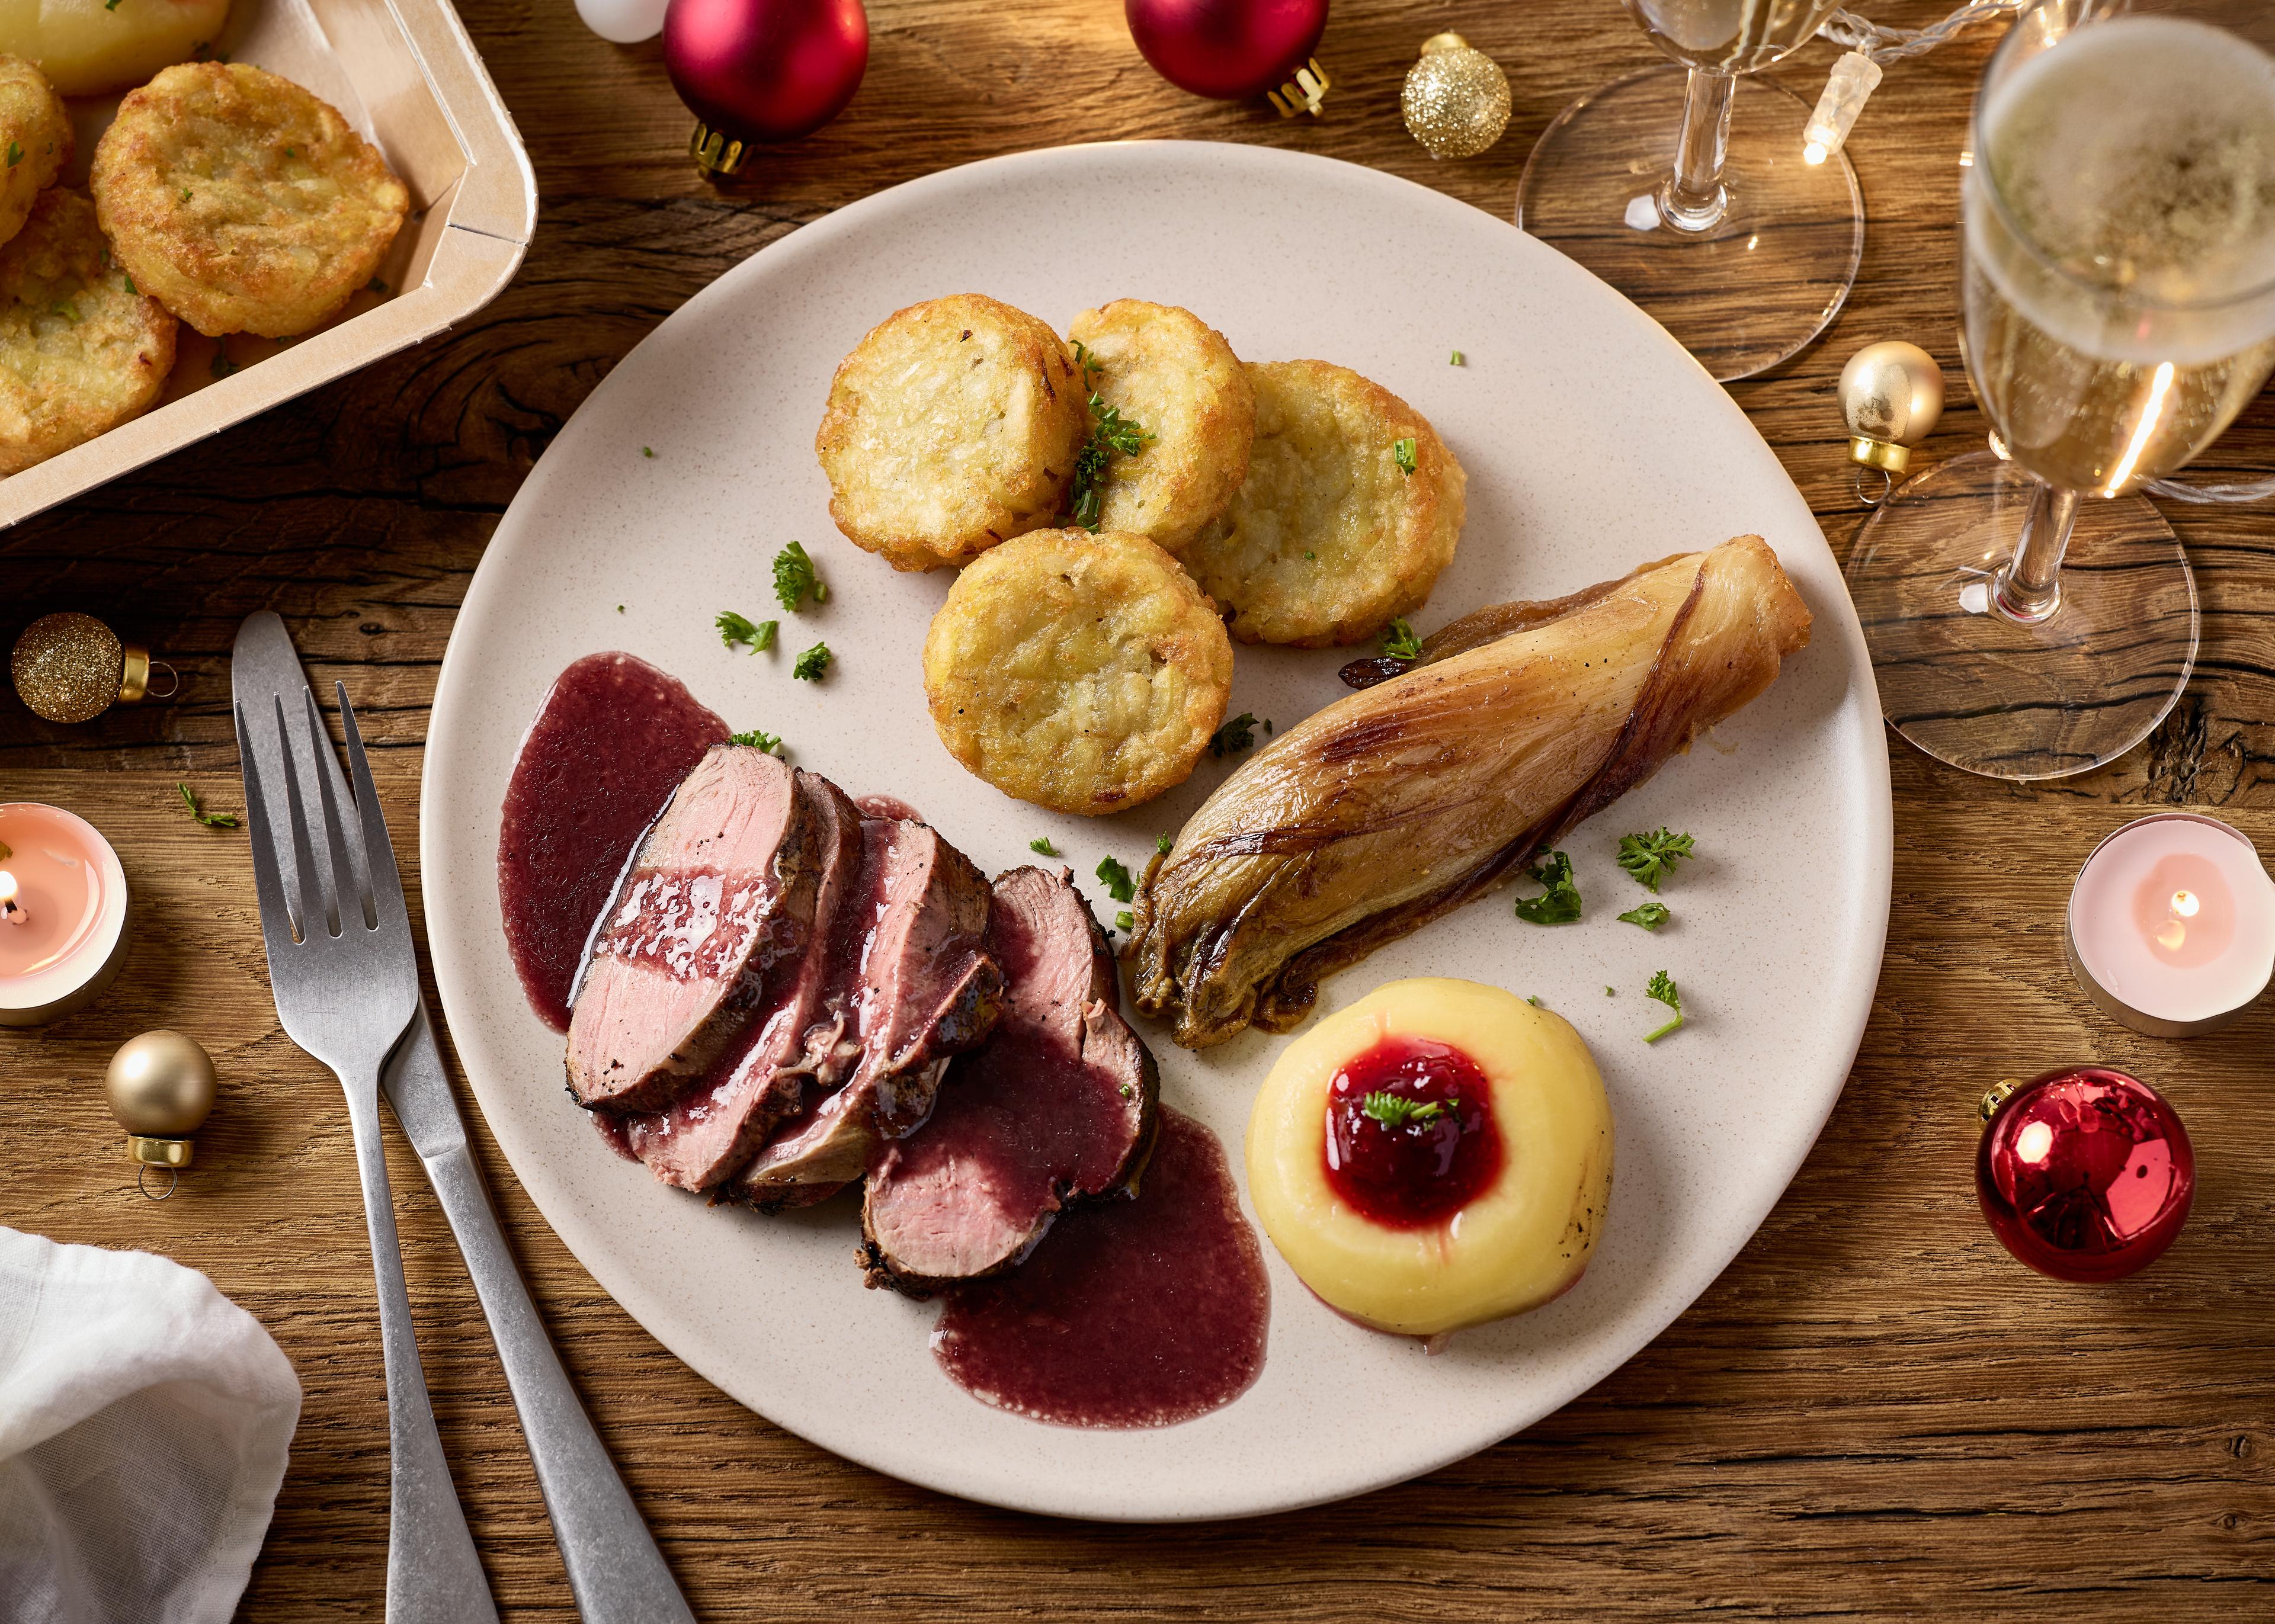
{"x": 2118, "y": 291}
{"x": 1694, "y": 192}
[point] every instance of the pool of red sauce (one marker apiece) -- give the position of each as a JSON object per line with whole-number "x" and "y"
{"x": 1137, "y": 1313}
{"x": 609, "y": 744}
{"x": 1417, "y": 1174}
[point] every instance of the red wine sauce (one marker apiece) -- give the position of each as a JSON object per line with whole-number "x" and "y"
{"x": 1411, "y": 1134}
{"x": 1137, "y": 1313}
{"x": 611, "y": 744}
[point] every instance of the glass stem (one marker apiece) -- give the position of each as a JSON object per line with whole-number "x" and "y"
{"x": 1694, "y": 198}
{"x": 2028, "y": 590}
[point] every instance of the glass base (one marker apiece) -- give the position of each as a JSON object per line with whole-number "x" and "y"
{"x": 1743, "y": 294}
{"x": 1973, "y": 688}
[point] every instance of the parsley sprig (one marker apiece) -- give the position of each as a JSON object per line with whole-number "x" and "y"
{"x": 757, "y": 636}
{"x": 1560, "y": 903}
{"x": 1399, "y": 641}
{"x": 1651, "y": 916}
{"x": 1397, "y": 1111}
{"x": 758, "y": 738}
{"x": 1041, "y": 846}
{"x": 1662, "y": 987}
{"x": 211, "y": 819}
{"x": 812, "y": 663}
{"x": 795, "y": 580}
{"x": 1651, "y": 858}
{"x": 1402, "y": 453}
{"x": 1110, "y": 432}
{"x": 1113, "y": 874}
{"x": 1234, "y": 736}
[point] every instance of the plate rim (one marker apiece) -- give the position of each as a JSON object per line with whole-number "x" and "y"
{"x": 817, "y": 237}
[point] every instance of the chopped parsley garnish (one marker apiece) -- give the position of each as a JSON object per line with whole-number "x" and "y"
{"x": 1129, "y": 1092}
{"x": 185, "y": 194}
{"x": 647, "y": 451}
{"x": 1110, "y": 432}
{"x": 6, "y": 851}
{"x": 1534, "y": 1000}
{"x": 1456, "y": 359}
{"x": 15, "y": 153}
{"x": 1397, "y": 1111}
{"x": 69, "y": 312}
{"x": 222, "y": 366}
{"x": 212, "y": 820}
{"x": 291, "y": 152}
{"x": 109, "y": 5}
{"x": 130, "y": 288}
{"x": 1402, "y": 452}
{"x": 1161, "y": 843}
{"x": 1115, "y": 879}
{"x": 758, "y": 738}
{"x": 812, "y": 663}
{"x": 757, "y": 636}
{"x": 1399, "y": 641}
{"x": 1234, "y": 736}
{"x": 1609, "y": 993}
{"x": 1662, "y": 987}
{"x": 1041, "y": 846}
{"x": 1310, "y": 556}
{"x": 620, "y": 608}
{"x": 1651, "y": 916}
{"x": 795, "y": 580}
{"x": 1124, "y": 920}
{"x": 1651, "y": 858}
{"x": 1560, "y": 904}
{"x": 374, "y": 285}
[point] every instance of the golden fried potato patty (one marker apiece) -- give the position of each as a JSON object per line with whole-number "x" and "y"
{"x": 80, "y": 352}
{"x": 35, "y": 140}
{"x": 952, "y": 427}
{"x": 1174, "y": 377}
{"x": 1081, "y": 672}
{"x": 244, "y": 203}
{"x": 1331, "y": 536}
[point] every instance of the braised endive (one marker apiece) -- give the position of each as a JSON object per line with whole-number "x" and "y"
{"x": 1424, "y": 790}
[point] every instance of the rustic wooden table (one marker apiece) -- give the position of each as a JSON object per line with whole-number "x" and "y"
{"x": 1874, "y": 1412}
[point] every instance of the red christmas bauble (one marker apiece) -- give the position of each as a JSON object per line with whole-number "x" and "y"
{"x": 1230, "y": 49}
{"x": 765, "y": 70}
{"x": 2085, "y": 1173}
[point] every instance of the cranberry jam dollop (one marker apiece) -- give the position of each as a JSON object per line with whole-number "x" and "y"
{"x": 1411, "y": 1134}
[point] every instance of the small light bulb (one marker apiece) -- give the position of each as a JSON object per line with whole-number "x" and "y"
{"x": 1814, "y": 153}
{"x": 1852, "y": 81}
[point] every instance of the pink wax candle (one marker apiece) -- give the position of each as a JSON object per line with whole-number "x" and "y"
{"x": 63, "y": 913}
{"x": 2172, "y": 925}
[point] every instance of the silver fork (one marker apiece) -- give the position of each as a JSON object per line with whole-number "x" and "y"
{"x": 346, "y": 984}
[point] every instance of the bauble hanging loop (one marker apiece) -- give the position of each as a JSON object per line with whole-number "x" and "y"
{"x": 161, "y": 1087}
{"x": 1231, "y": 50}
{"x": 70, "y": 668}
{"x": 1455, "y": 100}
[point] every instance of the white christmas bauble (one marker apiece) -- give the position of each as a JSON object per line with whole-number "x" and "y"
{"x": 623, "y": 22}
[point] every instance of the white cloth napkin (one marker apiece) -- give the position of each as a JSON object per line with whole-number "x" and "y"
{"x": 144, "y": 1419}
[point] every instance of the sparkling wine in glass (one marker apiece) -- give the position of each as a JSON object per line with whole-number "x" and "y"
{"x": 2118, "y": 290}
{"x": 1695, "y": 193}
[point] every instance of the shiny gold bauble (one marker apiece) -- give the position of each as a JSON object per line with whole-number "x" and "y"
{"x": 1456, "y": 98}
{"x": 72, "y": 668}
{"x": 1891, "y": 396}
{"x": 161, "y": 1088}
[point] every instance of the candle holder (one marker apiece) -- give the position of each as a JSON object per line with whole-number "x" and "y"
{"x": 65, "y": 938}
{"x": 2171, "y": 925}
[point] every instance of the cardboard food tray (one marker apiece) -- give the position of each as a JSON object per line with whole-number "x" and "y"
{"x": 405, "y": 73}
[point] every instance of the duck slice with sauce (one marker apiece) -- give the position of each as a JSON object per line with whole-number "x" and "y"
{"x": 1401, "y": 802}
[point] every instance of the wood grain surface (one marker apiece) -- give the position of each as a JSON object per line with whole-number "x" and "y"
{"x": 1874, "y": 1413}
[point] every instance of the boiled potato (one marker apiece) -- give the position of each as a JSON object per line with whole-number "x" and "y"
{"x": 242, "y": 202}
{"x": 951, "y": 428}
{"x": 1331, "y": 537}
{"x": 1081, "y": 672}
{"x": 93, "y": 47}
{"x": 1473, "y": 1164}
{"x": 1174, "y": 377}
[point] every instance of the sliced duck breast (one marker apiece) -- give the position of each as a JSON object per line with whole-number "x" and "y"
{"x": 681, "y": 960}
{"x": 914, "y": 988}
{"x": 715, "y": 1128}
{"x": 1057, "y": 1106}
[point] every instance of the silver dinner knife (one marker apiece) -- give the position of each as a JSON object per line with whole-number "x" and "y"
{"x": 615, "y": 1572}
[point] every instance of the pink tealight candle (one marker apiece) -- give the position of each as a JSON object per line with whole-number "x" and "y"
{"x": 2172, "y": 925}
{"x": 63, "y": 913}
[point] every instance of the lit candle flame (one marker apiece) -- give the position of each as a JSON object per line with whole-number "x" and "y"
{"x": 2185, "y": 904}
{"x": 11, "y": 909}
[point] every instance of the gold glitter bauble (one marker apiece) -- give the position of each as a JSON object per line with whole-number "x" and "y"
{"x": 72, "y": 668}
{"x": 1456, "y": 98}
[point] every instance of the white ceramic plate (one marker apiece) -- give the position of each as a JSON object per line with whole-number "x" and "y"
{"x": 1592, "y": 443}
